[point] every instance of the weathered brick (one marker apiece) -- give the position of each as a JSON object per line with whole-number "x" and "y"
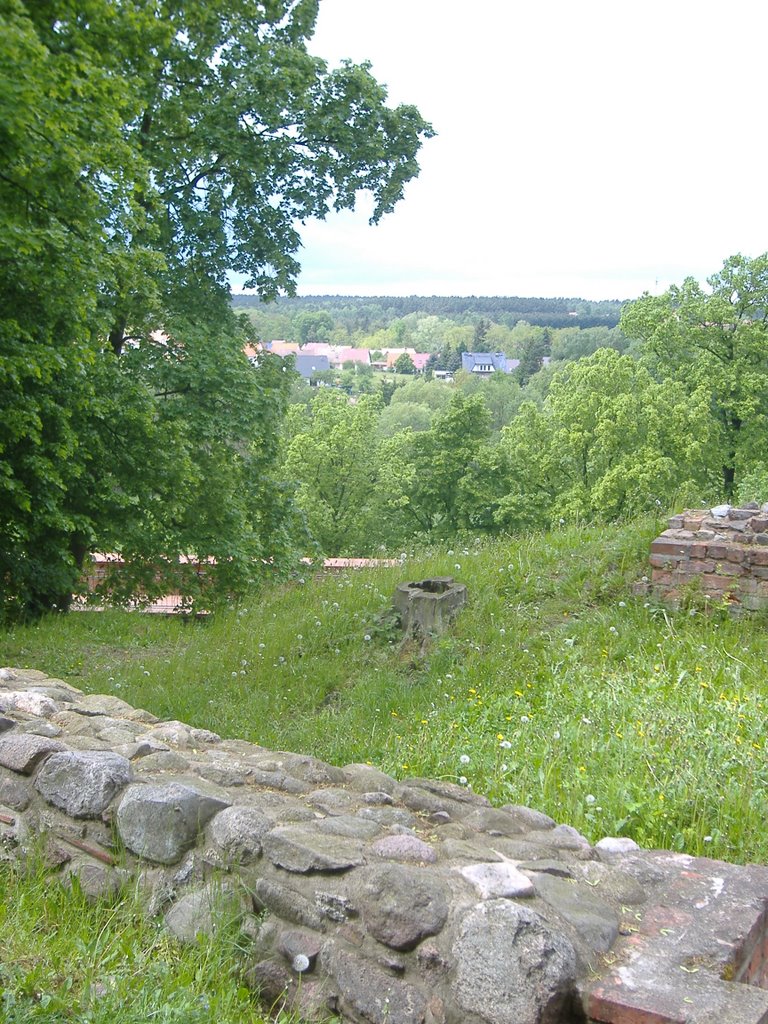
{"x": 718, "y": 584}
{"x": 729, "y": 569}
{"x": 664, "y": 561}
{"x": 698, "y": 550}
{"x": 663, "y": 577}
{"x": 717, "y": 550}
{"x": 736, "y": 553}
{"x": 666, "y": 547}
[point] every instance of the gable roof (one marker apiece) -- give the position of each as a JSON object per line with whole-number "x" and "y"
{"x": 308, "y": 364}
{"x": 484, "y": 362}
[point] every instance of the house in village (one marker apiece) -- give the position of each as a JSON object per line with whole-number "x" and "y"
{"x": 308, "y": 365}
{"x": 316, "y": 356}
{"x": 391, "y": 355}
{"x": 337, "y": 355}
{"x": 485, "y": 364}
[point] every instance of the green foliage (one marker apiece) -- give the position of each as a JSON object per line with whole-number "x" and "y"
{"x": 576, "y": 342}
{"x": 715, "y": 341}
{"x": 418, "y": 487}
{"x": 398, "y": 416}
{"x": 608, "y": 441}
{"x": 404, "y": 364}
{"x": 332, "y": 456}
{"x": 753, "y": 486}
{"x": 69, "y": 958}
{"x": 146, "y": 154}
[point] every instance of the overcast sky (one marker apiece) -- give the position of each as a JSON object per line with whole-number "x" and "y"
{"x": 594, "y": 149}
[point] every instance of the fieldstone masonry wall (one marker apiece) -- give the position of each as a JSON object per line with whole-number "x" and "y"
{"x": 720, "y": 555}
{"x": 385, "y": 902}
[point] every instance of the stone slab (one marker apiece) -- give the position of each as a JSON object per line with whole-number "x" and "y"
{"x": 705, "y": 925}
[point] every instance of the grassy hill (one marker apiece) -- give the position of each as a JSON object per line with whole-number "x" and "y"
{"x": 555, "y": 688}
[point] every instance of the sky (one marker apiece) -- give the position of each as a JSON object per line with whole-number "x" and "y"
{"x": 594, "y": 149}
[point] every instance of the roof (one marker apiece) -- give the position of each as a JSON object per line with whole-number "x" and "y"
{"x": 283, "y": 348}
{"x": 484, "y": 362}
{"x": 391, "y": 355}
{"x": 308, "y": 364}
{"x": 318, "y": 348}
{"x": 354, "y": 355}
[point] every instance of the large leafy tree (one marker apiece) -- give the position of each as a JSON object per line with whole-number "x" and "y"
{"x": 149, "y": 150}
{"x": 333, "y": 457}
{"x": 715, "y": 339}
{"x": 421, "y": 476}
{"x": 608, "y": 441}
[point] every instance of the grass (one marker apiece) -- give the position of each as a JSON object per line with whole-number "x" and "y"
{"x": 66, "y": 958}
{"x": 555, "y": 687}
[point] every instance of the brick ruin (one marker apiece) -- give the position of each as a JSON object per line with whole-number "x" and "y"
{"x": 384, "y": 901}
{"x": 713, "y": 557}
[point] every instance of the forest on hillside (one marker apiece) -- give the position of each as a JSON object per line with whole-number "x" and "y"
{"x": 445, "y": 327}
{"x": 366, "y": 314}
{"x": 667, "y": 408}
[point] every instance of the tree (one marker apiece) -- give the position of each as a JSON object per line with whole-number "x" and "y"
{"x": 421, "y": 473}
{"x": 399, "y": 416}
{"x": 480, "y": 335}
{"x": 578, "y": 342}
{"x": 404, "y": 364}
{"x": 65, "y": 167}
{"x": 501, "y": 392}
{"x": 148, "y": 152}
{"x": 314, "y": 326}
{"x": 532, "y": 352}
{"x": 609, "y": 441}
{"x": 715, "y": 340}
{"x": 332, "y": 458}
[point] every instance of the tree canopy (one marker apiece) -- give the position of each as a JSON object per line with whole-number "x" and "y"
{"x": 148, "y": 151}
{"x": 715, "y": 339}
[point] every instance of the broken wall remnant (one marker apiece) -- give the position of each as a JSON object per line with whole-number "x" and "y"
{"x": 428, "y": 606}
{"x": 385, "y": 901}
{"x": 718, "y": 555}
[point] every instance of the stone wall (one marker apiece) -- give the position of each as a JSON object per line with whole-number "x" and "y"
{"x": 718, "y": 556}
{"x": 384, "y": 901}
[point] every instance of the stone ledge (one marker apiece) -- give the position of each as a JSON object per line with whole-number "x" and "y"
{"x": 411, "y": 902}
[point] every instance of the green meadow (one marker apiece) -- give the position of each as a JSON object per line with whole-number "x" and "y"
{"x": 555, "y": 687}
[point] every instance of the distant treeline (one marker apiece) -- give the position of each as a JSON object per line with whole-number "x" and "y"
{"x": 367, "y": 313}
